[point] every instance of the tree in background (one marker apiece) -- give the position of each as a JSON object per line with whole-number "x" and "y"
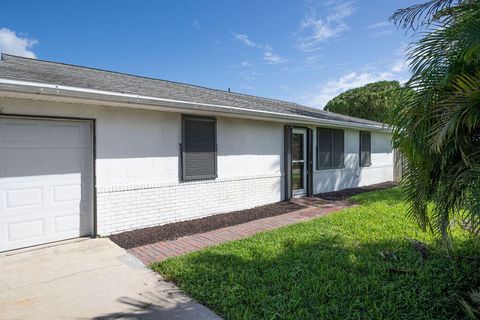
{"x": 438, "y": 127}
{"x": 373, "y": 101}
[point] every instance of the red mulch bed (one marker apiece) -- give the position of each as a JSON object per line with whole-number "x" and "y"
{"x": 172, "y": 231}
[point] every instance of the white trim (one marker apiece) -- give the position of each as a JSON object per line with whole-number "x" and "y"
{"x": 141, "y": 102}
{"x": 301, "y": 192}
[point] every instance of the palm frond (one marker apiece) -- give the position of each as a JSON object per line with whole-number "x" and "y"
{"x": 437, "y": 121}
{"x": 421, "y": 14}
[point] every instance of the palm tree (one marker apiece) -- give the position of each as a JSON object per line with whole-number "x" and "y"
{"x": 437, "y": 122}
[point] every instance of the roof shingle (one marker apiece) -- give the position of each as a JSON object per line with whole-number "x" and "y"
{"x": 27, "y": 69}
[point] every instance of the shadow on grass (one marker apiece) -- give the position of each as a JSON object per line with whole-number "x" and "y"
{"x": 326, "y": 279}
{"x": 347, "y": 193}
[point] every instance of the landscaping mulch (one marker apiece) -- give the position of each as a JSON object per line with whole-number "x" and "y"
{"x": 172, "y": 231}
{"x": 347, "y": 193}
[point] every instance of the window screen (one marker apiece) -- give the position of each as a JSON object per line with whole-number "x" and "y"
{"x": 330, "y": 148}
{"x": 337, "y": 148}
{"x": 324, "y": 145}
{"x": 365, "y": 149}
{"x": 199, "y": 148}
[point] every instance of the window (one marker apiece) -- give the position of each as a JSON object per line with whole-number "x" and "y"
{"x": 198, "y": 148}
{"x": 365, "y": 149}
{"x": 330, "y": 148}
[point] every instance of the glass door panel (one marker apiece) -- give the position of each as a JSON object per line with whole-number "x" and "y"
{"x": 297, "y": 176}
{"x": 297, "y": 146}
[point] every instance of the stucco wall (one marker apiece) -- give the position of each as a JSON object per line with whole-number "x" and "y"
{"x": 352, "y": 175}
{"x": 137, "y": 165}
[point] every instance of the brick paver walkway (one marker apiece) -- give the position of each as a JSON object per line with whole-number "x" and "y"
{"x": 165, "y": 249}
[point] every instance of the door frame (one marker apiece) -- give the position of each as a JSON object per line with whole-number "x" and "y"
{"x": 287, "y": 163}
{"x": 301, "y": 192}
{"x": 93, "y": 153}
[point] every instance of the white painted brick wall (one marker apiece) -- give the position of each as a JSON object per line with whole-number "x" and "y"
{"x": 122, "y": 208}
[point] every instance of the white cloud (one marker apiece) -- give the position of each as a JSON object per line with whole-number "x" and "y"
{"x": 320, "y": 31}
{"x": 268, "y": 55}
{"x": 272, "y": 58}
{"x": 249, "y": 74}
{"x": 243, "y": 38}
{"x": 378, "y": 25}
{"x": 384, "y": 28}
{"x": 381, "y": 33}
{"x": 340, "y": 12}
{"x": 324, "y": 92}
{"x": 309, "y": 63}
{"x": 348, "y": 81}
{"x": 399, "y": 66}
{"x": 315, "y": 30}
{"x": 16, "y": 45}
{"x": 246, "y": 64}
{"x": 344, "y": 64}
{"x": 196, "y": 25}
{"x": 312, "y": 59}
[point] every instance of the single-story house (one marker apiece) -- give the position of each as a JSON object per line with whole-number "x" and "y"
{"x": 92, "y": 152}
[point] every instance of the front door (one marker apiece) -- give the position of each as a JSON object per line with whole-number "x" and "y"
{"x": 299, "y": 168}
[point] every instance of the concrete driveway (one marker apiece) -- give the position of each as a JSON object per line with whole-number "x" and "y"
{"x": 85, "y": 279}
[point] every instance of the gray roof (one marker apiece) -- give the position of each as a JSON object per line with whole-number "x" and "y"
{"x": 27, "y": 69}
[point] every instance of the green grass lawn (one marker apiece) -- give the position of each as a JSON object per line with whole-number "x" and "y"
{"x": 330, "y": 268}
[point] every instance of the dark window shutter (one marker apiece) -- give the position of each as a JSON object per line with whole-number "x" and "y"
{"x": 338, "y": 149}
{"x": 199, "y": 154}
{"x": 365, "y": 149}
{"x": 330, "y": 148}
{"x": 324, "y": 148}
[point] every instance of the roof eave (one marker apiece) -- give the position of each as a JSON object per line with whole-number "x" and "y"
{"x": 8, "y": 86}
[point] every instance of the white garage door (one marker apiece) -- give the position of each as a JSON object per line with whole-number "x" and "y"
{"x": 45, "y": 181}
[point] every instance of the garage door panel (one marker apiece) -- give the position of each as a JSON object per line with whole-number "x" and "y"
{"x": 67, "y": 223}
{"x": 66, "y": 136}
{"x": 13, "y": 164}
{"x": 30, "y": 231}
{"x": 26, "y": 197}
{"x": 14, "y": 131}
{"x": 32, "y": 162}
{"x": 67, "y": 193}
{"x": 45, "y": 188}
{"x": 52, "y": 192}
{"x": 18, "y": 133}
{"x": 25, "y": 230}
{"x": 69, "y": 163}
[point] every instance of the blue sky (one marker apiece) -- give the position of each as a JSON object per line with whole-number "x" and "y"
{"x": 302, "y": 51}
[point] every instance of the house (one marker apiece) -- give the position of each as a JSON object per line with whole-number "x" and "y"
{"x": 92, "y": 152}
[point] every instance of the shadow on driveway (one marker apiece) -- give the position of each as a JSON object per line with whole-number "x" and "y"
{"x": 88, "y": 279}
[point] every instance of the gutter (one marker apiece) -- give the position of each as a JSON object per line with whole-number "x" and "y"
{"x": 154, "y": 103}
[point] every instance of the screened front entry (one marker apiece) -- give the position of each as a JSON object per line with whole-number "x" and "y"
{"x": 299, "y": 155}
